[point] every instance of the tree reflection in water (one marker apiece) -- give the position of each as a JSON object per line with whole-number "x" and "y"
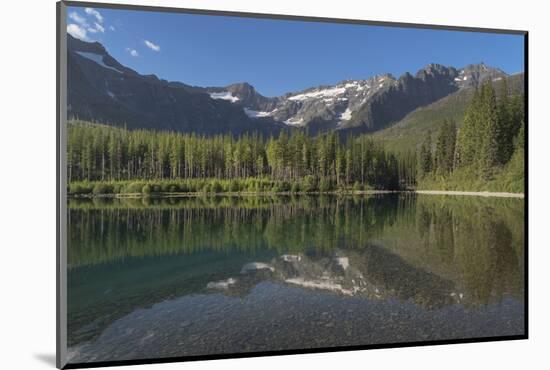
{"x": 429, "y": 251}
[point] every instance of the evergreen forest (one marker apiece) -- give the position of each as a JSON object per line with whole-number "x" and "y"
{"x": 485, "y": 153}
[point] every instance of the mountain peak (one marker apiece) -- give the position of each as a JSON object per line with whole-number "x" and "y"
{"x": 473, "y": 75}
{"x": 241, "y": 85}
{"x": 75, "y": 44}
{"x": 244, "y": 89}
{"x": 434, "y": 69}
{"x": 484, "y": 69}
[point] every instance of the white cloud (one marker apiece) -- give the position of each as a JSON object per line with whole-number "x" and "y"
{"x": 78, "y": 19}
{"x": 99, "y": 27}
{"x": 76, "y": 31}
{"x": 112, "y": 28}
{"x": 96, "y": 28}
{"x": 133, "y": 52}
{"x": 152, "y": 46}
{"x": 95, "y": 13}
{"x": 85, "y": 26}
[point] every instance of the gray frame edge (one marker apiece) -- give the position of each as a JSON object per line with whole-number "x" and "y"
{"x": 61, "y": 193}
{"x": 61, "y": 189}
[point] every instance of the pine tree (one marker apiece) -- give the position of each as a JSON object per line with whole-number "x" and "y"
{"x": 517, "y": 113}
{"x": 520, "y": 138}
{"x": 468, "y": 138}
{"x": 445, "y": 147}
{"x": 489, "y": 145}
{"x": 425, "y": 156}
{"x": 441, "y": 149}
{"x": 505, "y": 130}
{"x": 429, "y": 158}
{"x": 451, "y": 149}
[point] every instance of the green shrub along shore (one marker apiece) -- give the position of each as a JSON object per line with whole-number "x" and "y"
{"x": 308, "y": 184}
{"x": 509, "y": 179}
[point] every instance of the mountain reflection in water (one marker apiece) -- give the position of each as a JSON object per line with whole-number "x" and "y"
{"x": 191, "y": 276}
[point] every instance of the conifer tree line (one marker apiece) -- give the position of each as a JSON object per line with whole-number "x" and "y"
{"x": 103, "y": 153}
{"x": 492, "y": 132}
{"x": 490, "y": 137}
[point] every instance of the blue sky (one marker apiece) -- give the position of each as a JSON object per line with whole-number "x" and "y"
{"x": 278, "y": 56}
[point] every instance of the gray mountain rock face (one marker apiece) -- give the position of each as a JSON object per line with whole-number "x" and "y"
{"x": 359, "y": 105}
{"x": 103, "y": 90}
{"x": 474, "y": 74}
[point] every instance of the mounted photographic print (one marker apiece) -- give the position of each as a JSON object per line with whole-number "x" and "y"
{"x": 234, "y": 184}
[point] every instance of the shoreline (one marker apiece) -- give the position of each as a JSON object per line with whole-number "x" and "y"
{"x": 357, "y": 192}
{"x": 232, "y": 194}
{"x": 472, "y": 193}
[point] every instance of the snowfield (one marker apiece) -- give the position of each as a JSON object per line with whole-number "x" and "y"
{"x": 97, "y": 58}
{"x": 224, "y": 95}
{"x": 256, "y": 114}
{"x": 323, "y": 93}
{"x": 294, "y": 121}
{"x": 346, "y": 115}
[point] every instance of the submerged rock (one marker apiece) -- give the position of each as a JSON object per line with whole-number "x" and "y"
{"x": 222, "y": 284}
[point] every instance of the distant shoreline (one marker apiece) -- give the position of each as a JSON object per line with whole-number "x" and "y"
{"x": 472, "y": 193}
{"x": 351, "y": 192}
{"x": 229, "y": 193}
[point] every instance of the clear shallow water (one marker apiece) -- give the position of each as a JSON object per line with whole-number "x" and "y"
{"x": 193, "y": 276}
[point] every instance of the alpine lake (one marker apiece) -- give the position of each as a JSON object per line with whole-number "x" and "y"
{"x": 189, "y": 276}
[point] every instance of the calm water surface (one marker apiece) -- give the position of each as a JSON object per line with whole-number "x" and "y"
{"x": 194, "y": 276}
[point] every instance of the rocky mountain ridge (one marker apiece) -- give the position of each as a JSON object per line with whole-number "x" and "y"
{"x": 103, "y": 90}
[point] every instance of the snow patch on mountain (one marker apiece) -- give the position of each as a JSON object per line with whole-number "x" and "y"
{"x": 330, "y": 103}
{"x": 224, "y": 95}
{"x": 97, "y": 58}
{"x": 319, "y": 93}
{"x": 346, "y": 115}
{"x": 256, "y": 114}
{"x": 294, "y": 121}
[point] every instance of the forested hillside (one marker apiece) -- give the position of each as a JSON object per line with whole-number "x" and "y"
{"x": 486, "y": 153}
{"x": 410, "y": 132}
